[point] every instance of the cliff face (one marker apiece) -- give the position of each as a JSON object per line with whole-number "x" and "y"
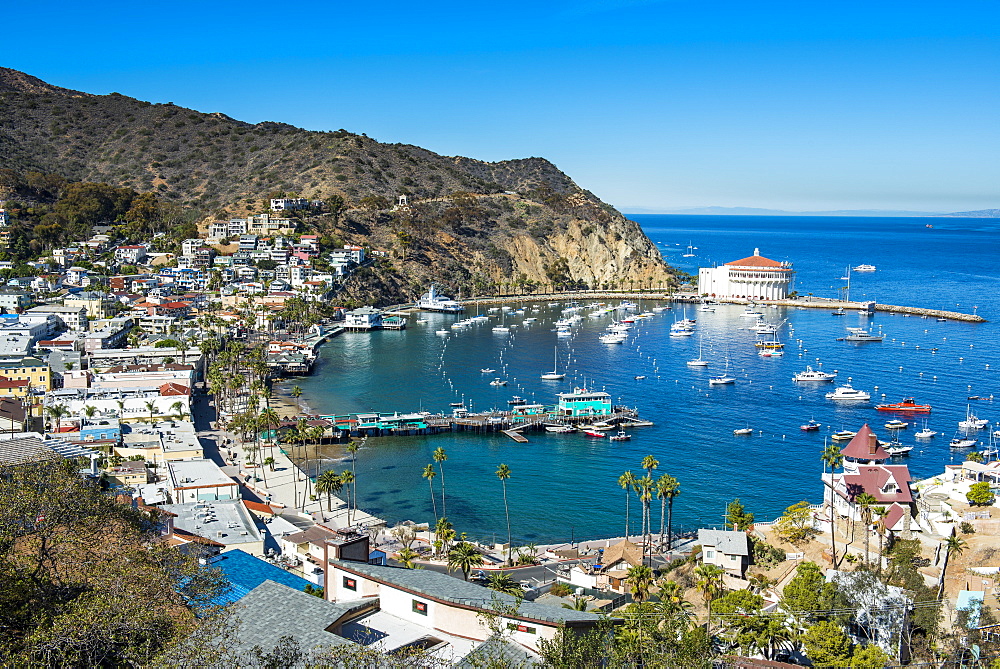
{"x": 470, "y": 223}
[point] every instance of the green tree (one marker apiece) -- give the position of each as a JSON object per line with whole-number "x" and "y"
{"x": 429, "y": 473}
{"x": 329, "y": 483}
{"x": 269, "y": 462}
{"x": 640, "y": 579}
{"x": 709, "y": 584}
{"x": 464, "y": 556}
{"x": 151, "y": 408}
{"x": 808, "y": 591}
{"x": 869, "y": 657}
{"x": 827, "y": 644}
{"x": 578, "y": 604}
{"x": 866, "y": 503}
{"x": 353, "y": 448}
{"x": 796, "y": 524}
{"x": 502, "y": 582}
{"x": 737, "y": 516}
{"x": 503, "y": 473}
{"x": 57, "y": 413}
{"x": 407, "y": 557}
{"x": 980, "y": 494}
{"x": 832, "y": 458}
{"x": 439, "y": 457}
{"x": 667, "y": 487}
{"x": 627, "y": 481}
{"x": 955, "y": 545}
{"x": 347, "y": 478}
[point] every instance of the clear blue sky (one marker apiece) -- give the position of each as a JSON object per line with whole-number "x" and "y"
{"x": 797, "y": 105}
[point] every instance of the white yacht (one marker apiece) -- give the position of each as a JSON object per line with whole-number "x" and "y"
{"x": 814, "y": 375}
{"x": 434, "y": 301}
{"x": 846, "y": 392}
{"x": 865, "y": 268}
{"x": 861, "y": 334}
{"x": 555, "y": 374}
{"x": 972, "y": 422}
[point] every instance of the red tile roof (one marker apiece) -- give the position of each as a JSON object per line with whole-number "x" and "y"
{"x": 864, "y": 446}
{"x": 757, "y": 261}
{"x": 895, "y": 513}
{"x": 871, "y": 479}
{"x": 258, "y": 507}
{"x": 171, "y": 389}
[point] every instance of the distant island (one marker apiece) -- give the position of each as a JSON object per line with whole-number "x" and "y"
{"x": 757, "y": 211}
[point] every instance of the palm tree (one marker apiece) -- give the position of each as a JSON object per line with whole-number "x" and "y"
{"x": 644, "y": 489}
{"x": 329, "y": 482}
{"x": 955, "y": 545}
{"x": 626, "y": 481}
{"x": 503, "y": 473}
{"x": 151, "y": 408}
{"x": 439, "y": 457}
{"x": 579, "y": 604}
{"x": 269, "y": 461}
{"x": 89, "y": 411}
{"x": 502, "y": 582}
{"x": 640, "y": 578}
{"x": 445, "y": 532}
{"x": 269, "y": 418}
{"x": 831, "y": 457}
{"x": 672, "y": 602}
{"x": 57, "y": 413}
{"x": 407, "y": 556}
{"x": 866, "y": 503}
{"x": 296, "y": 394}
{"x": 464, "y": 556}
{"x": 348, "y": 480}
{"x": 352, "y": 448}
{"x": 709, "y": 585}
{"x": 178, "y": 409}
{"x": 880, "y": 512}
{"x": 667, "y": 487}
{"x": 429, "y": 474}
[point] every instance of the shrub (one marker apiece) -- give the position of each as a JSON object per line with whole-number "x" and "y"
{"x": 561, "y": 590}
{"x": 980, "y": 494}
{"x": 967, "y": 528}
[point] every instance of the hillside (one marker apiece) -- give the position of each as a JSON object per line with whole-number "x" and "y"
{"x": 518, "y": 217}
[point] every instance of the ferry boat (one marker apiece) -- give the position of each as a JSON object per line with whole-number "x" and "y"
{"x": 847, "y": 393}
{"x": 865, "y": 268}
{"x": 814, "y": 375}
{"x": 896, "y": 424}
{"x": 434, "y": 301}
{"x": 908, "y": 405}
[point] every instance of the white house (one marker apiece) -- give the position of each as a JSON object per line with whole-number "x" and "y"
{"x": 727, "y": 549}
{"x": 289, "y": 203}
{"x": 753, "y": 278}
{"x": 365, "y": 318}
{"x": 133, "y": 254}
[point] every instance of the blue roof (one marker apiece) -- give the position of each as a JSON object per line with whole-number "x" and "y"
{"x": 245, "y": 572}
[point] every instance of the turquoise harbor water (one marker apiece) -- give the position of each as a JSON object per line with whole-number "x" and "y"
{"x": 565, "y": 486}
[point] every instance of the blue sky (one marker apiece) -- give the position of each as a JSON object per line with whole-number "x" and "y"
{"x": 880, "y": 104}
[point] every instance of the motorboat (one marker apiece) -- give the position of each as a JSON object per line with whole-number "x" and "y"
{"x": 750, "y": 312}
{"x": 554, "y": 375}
{"x": 621, "y": 436}
{"x": 564, "y": 332}
{"x": 811, "y": 426}
{"x": 594, "y": 434}
{"x": 861, "y": 334}
{"x": 487, "y": 370}
{"x": 612, "y": 338}
{"x": 498, "y": 382}
{"x": 681, "y": 333}
{"x": 865, "y": 268}
{"x": 457, "y": 405}
{"x": 896, "y": 449}
{"x": 770, "y": 353}
{"x": 908, "y": 405}
{"x": 962, "y": 442}
{"x": 838, "y": 312}
{"x": 814, "y": 375}
{"x": 560, "y": 429}
{"x": 972, "y": 422}
{"x": 501, "y": 329}
{"x": 743, "y": 430}
{"x": 847, "y": 393}
{"x": 434, "y": 301}
{"x": 925, "y": 433}
{"x": 640, "y": 377}
{"x": 843, "y": 435}
{"x": 896, "y": 424}
{"x": 516, "y": 400}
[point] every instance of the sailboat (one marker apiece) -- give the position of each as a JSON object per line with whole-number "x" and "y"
{"x": 554, "y": 375}
{"x": 690, "y": 251}
{"x": 698, "y": 362}
{"x": 723, "y": 379}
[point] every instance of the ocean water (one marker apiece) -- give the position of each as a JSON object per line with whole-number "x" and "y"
{"x": 565, "y": 486}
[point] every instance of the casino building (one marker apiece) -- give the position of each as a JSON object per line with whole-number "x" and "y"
{"x": 754, "y": 278}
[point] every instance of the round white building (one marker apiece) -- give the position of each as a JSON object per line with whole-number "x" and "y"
{"x": 753, "y": 278}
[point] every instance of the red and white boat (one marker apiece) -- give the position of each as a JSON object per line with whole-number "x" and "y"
{"x": 594, "y": 433}
{"x": 906, "y": 405}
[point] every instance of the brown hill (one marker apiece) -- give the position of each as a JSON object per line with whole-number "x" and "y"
{"x": 519, "y": 217}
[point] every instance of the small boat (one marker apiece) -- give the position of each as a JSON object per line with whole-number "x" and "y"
{"x": 487, "y": 370}
{"x": 860, "y": 334}
{"x": 896, "y": 449}
{"x": 908, "y": 405}
{"x": 722, "y": 379}
{"x": 621, "y": 436}
{"x": 594, "y": 434}
{"x": 554, "y": 375}
{"x": 838, "y": 312}
{"x": 498, "y": 382}
{"x": 843, "y": 435}
{"x": 743, "y": 430}
{"x": 972, "y": 422}
{"x": 501, "y": 329}
{"x": 847, "y": 393}
{"x": 640, "y": 377}
{"x": 458, "y": 405}
{"x": 681, "y": 333}
{"x": 811, "y": 426}
{"x": 770, "y": 353}
{"x": 896, "y": 424}
{"x": 699, "y": 361}
{"x": 925, "y": 433}
{"x": 443, "y": 333}
{"x": 560, "y": 429}
{"x": 814, "y": 375}
{"x": 690, "y": 252}
{"x": 962, "y": 442}
{"x": 865, "y": 268}
{"x": 516, "y": 400}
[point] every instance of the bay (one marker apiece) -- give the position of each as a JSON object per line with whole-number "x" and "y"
{"x": 565, "y": 486}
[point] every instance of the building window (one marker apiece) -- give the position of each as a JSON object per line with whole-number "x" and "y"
{"x": 420, "y": 607}
{"x": 521, "y": 628}
{"x": 350, "y": 583}
{"x": 709, "y": 555}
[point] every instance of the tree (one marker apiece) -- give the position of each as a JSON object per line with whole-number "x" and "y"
{"x": 464, "y": 556}
{"x": 866, "y": 503}
{"x": 439, "y": 457}
{"x": 296, "y": 393}
{"x": 808, "y": 591}
{"x": 796, "y": 524}
{"x": 831, "y": 457}
{"x": 640, "y": 579}
{"x": 626, "y": 481}
{"x": 353, "y": 448}
{"x": 178, "y": 409}
{"x": 57, "y": 413}
{"x": 880, "y": 513}
{"x": 407, "y": 557}
{"x": 429, "y": 473}
{"x": 869, "y": 657}
{"x": 503, "y": 473}
{"x": 151, "y": 408}
{"x": 347, "y": 478}
{"x": 738, "y": 517}
{"x": 269, "y": 462}
{"x": 709, "y": 584}
{"x": 89, "y": 411}
{"x": 667, "y": 487}
{"x": 980, "y": 494}
{"x": 955, "y": 545}
{"x": 329, "y": 483}
{"x": 579, "y": 604}
{"x": 502, "y": 582}
{"x": 827, "y": 644}
{"x": 445, "y": 532}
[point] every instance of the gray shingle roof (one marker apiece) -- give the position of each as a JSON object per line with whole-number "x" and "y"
{"x": 271, "y": 611}
{"x": 726, "y": 541}
{"x": 498, "y": 651}
{"x": 443, "y": 587}
{"x": 25, "y": 449}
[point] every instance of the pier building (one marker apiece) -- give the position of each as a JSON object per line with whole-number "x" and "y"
{"x": 582, "y": 402}
{"x": 754, "y": 277}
